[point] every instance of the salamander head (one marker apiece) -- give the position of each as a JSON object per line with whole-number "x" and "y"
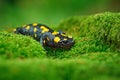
{"x": 63, "y": 41}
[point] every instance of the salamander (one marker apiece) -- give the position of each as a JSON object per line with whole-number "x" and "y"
{"x": 46, "y": 36}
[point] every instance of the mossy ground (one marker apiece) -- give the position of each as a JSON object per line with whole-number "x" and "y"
{"x": 19, "y": 46}
{"x": 95, "y": 54}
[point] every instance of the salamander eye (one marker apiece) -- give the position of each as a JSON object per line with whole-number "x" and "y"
{"x": 65, "y": 41}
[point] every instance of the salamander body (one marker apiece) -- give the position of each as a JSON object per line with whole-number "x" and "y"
{"x": 46, "y": 36}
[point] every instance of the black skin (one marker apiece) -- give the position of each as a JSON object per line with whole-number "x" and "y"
{"x": 46, "y": 36}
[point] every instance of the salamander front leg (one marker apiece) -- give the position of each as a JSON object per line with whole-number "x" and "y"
{"x": 46, "y": 38}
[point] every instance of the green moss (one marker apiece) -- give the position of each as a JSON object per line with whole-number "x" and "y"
{"x": 88, "y": 66}
{"x": 104, "y": 27}
{"x": 14, "y": 46}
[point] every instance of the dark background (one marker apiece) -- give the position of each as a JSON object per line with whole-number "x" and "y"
{"x": 19, "y": 12}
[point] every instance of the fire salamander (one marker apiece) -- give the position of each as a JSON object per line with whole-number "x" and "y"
{"x": 46, "y": 36}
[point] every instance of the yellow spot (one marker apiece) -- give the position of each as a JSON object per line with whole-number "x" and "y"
{"x": 35, "y": 35}
{"x": 56, "y": 39}
{"x": 63, "y": 34}
{"x": 48, "y": 39}
{"x": 69, "y": 36}
{"x": 35, "y": 24}
{"x": 28, "y": 27}
{"x": 55, "y": 33}
{"x": 65, "y": 39}
{"x": 14, "y": 30}
{"x": 35, "y": 29}
{"x": 44, "y": 29}
{"x": 44, "y": 41}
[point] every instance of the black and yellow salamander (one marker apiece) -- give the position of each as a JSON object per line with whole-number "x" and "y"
{"x": 46, "y": 36}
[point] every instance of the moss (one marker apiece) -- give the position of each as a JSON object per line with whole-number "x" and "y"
{"x": 18, "y": 46}
{"x": 87, "y": 66}
{"x": 104, "y": 27}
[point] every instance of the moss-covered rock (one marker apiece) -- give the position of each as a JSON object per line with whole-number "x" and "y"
{"x": 14, "y": 46}
{"x": 103, "y": 27}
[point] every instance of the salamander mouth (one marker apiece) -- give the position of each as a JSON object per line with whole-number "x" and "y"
{"x": 67, "y": 46}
